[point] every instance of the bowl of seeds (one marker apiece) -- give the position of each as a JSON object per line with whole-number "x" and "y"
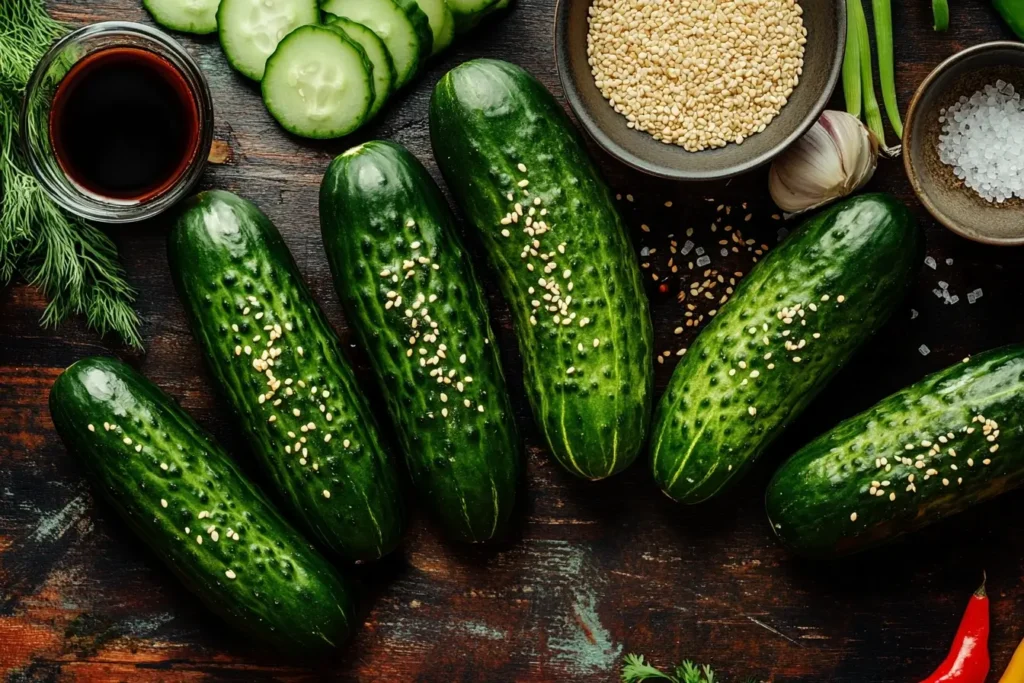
{"x": 698, "y": 89}
{"x": 963, "y": 143}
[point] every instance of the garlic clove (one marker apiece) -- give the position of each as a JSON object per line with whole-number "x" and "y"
{"x": 836, "y": 157}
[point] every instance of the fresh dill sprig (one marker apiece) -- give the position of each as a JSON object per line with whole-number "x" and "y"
{"x": 73, "y": 263}
{"x": 635, "y": 669}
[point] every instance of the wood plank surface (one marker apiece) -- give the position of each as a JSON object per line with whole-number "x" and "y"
{"x": 591, "y": 571}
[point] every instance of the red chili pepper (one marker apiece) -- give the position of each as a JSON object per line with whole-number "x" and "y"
{"x": 968, "y": 660}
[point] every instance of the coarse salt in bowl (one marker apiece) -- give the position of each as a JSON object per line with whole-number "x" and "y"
{"x": 963, "y": 147}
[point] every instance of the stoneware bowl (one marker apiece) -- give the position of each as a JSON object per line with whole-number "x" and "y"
{"x": 825, "y": 21}
{"x": 945, "y": 196}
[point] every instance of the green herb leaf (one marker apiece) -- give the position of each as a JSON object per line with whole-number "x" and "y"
{"x": 72, "y": 262}
{"x": 635, "y": 669}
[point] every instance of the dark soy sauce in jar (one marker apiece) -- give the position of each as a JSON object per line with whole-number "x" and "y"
{"x": 124, "y": 124}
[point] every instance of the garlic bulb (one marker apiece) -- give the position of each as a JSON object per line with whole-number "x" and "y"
{"x": 836, "y": 157}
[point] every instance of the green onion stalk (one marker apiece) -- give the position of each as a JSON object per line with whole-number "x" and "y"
{"x": 882, "y": 12}
{"x": 940, "y": 13}
{"x": 851, "y": 65}
{"x": 73, "y": 263}
{"x": 872, "y": 114}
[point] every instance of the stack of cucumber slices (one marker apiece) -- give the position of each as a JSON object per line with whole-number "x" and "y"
{"x": 326, "y": 68}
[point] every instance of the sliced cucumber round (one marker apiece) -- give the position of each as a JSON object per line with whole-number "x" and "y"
{"x": 383, "y": 67}
{"x": 187, "y": 16}
{"x": 405, "y": 33}
{"x": 251, "y": 29}
{"x": 469, "y": 13}
{"x": 442, "y": 24}
{"x": 318, "y": 83}
{"x": 447, "y": 36}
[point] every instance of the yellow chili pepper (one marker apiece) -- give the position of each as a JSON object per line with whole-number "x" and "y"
{"x": 1015, "y": 671}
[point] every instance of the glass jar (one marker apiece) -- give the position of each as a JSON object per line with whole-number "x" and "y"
{"x": 37, "y": 143}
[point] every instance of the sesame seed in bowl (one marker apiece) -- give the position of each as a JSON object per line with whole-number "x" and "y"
{"x": 698, "y": 89}
{"x": 699, "y": 74}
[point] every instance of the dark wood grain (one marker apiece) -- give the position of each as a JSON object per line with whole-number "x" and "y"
{"x": 592, "y": 571}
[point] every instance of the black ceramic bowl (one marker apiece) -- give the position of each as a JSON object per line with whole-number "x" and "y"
{"x": 825, "y": 21}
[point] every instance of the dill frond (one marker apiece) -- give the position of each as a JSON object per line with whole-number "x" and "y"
{"x": 72, "y": 262}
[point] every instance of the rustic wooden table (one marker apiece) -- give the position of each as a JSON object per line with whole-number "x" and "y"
{"x": 593, "y": 571}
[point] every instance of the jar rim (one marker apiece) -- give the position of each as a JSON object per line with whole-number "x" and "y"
{"x": 44, "y": 167}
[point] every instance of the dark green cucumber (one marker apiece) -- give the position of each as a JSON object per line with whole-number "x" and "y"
{"x": 184, "y": 497}
{"x": 410, "y": 293}
{"x": 565, "y": 265}
{"x": 927, "y": 452}
{"x": 792, "y": 323}
{"x": 279, "y": 364}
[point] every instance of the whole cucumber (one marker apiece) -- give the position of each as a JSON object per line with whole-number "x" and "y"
{"x": 792, "y": 323}
{"x": 185, "y": 498}
{"x": 412, "y": 297}
{"x": 280, "y": 365}
{"x": 929, "y": 451}
{"x": 520, "y": 173}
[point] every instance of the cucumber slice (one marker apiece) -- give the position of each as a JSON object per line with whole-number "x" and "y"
{"x": 404, "y": 28}
{"x": 442, "y": 25}
{"x": 469, "y": 13}
{"x": 187, "y": 16}
{"x": 447, "y": 32}
{"x": 383, "y": 67}
{"x": 251, "y": 29}
{"x": 318, "y": 83}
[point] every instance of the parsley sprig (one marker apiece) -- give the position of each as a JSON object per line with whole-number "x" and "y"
{"x": 635, "y": 669}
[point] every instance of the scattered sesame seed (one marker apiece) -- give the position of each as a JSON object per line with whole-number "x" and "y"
{"x": 230, "y": 574}
{"x": 327, "y": 494}
{"x": 853, "y": 516}
{"x": 163, "y": 503}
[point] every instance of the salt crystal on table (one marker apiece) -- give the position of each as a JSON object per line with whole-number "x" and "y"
{"x": 687, "y": 248}
{"x": 913, "y": 313}
{"x": 725, "y": 252}
{"x": 938, "y": 293}
{"x": 703, "y": 261}
{"x": 645, "y": 251}
{"x": 943, "y": 285}
{"x": 949, "y": 262}
{"x": 924, "y": 350}
{"x": 930, "y": 262}
{"x": 954, "y": 299}
{"x": 978, "y": 293}
{"x": 700, "y": 251}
